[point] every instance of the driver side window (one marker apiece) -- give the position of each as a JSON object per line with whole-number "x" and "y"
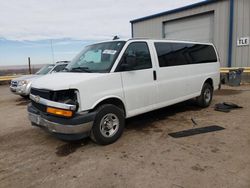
{"x": 136, "y": 57}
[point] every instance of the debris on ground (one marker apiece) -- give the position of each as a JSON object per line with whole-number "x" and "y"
{"x": 194, "y": 122}
{"x": 226, "y": 106}
{"x": 195, "y": 131}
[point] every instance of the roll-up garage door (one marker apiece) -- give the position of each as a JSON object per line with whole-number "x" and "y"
{"x": 195, "y": 28}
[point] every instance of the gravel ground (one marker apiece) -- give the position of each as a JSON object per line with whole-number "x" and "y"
{"x": 145, "y": 156}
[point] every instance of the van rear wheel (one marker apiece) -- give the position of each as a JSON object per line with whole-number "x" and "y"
{"x": 108, "y": 124}
{"x": 204, "y": 100}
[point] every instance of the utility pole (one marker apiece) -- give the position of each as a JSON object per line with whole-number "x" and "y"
{"x": 52, "y": 51}
{"x": 29, "y": 65}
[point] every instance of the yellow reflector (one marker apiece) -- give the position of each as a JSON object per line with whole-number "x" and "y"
{"x": 59, "y": 112}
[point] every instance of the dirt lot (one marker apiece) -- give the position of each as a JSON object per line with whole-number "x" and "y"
{"x": 145, "y": 156}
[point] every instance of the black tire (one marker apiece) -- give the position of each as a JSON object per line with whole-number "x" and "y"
{"x": 107, "y": 116}
{"x": 204, "y": 100}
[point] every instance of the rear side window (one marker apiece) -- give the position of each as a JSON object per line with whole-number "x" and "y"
{"x": 174, "y": 54}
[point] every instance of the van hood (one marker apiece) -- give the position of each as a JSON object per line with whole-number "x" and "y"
{"x": 63, "y": 80}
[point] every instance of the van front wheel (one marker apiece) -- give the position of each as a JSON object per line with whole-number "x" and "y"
{"x": 204, "y": 100}
{"x": 108, "y": 124}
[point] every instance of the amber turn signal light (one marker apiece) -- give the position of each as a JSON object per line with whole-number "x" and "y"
{"x": 59, "y": 112}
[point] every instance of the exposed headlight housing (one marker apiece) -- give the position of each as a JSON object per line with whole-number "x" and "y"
{"x": 23, "y": 82}
{"x": 65, "y": 96}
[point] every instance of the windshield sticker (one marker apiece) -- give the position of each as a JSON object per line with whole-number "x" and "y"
{"x": 51, "y": 66}
{"x": 112, "y": 52}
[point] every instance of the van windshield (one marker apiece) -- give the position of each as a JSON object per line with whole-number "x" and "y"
{"x": 96, "y": 58}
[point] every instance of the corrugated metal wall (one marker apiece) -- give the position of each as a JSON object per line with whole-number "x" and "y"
{"x": 153, "y": 28}
{"x": 241, "y": 55}
{"x": 196, "y": 28}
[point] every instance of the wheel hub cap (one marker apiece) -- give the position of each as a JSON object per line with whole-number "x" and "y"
{"x": 207, "y": 95}
{"x": 109, "y": 125}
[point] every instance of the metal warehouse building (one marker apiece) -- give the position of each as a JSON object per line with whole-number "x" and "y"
{"x": 226, "y": 23}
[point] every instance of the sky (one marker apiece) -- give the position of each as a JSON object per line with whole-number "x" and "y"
{"x": 52, "y": 30}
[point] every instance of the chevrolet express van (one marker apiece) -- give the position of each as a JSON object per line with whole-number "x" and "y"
{"x": 110, "y": 81}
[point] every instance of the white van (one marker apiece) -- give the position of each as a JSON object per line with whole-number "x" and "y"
{"x": 111, "y": 81}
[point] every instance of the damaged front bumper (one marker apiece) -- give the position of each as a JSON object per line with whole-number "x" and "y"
{"x": 74, "y": 128}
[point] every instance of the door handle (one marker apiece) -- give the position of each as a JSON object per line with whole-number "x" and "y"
{"x": 154, "y": 75}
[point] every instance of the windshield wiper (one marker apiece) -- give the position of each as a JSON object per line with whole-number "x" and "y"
{"x": 80, "y": 69}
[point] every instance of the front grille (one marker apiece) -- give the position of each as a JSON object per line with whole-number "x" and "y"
{"x": 62, "y": 96}
{"x": 14, "y": 83}
{"x": 38, "y": 106}
{"x": 46, "y": 94}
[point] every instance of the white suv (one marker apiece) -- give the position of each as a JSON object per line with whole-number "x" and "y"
{"x": 22, "y": 85}
{"x": 111, "y": 81}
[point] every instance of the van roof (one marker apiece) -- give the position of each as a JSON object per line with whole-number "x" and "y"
{"x": 170, "y": 40}
{"x": 157, "y": 40}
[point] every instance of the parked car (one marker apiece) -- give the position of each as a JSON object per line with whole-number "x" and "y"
{"x": 111, "y": 81}
{"x": 22, "y": 85}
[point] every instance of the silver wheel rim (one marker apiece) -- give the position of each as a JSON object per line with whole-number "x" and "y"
{"x": 207, "y": 95}
{"x": 109, "y": 125}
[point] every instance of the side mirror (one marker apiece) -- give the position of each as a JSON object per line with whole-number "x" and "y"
{"x": 129, "y": 62}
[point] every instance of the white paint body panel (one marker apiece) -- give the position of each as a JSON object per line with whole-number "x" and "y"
{"x": 137, "y": 89}
{"x": 92, "y": 87}
{"x": 179, "y": 83}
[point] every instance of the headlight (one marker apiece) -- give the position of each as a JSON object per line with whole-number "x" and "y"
{"x": 23, "y": 82}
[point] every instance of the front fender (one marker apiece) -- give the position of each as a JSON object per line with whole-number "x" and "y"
{"x": 108, "y": 97}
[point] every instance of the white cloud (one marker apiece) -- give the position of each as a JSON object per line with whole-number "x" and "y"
{"x": 77, "y": 19}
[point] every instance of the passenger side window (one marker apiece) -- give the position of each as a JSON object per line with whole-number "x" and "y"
{"x": 174, "y": 54}
{"x": 136, "y": 57}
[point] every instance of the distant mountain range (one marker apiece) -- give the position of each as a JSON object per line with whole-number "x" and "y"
{"x": 18, "y": 67}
